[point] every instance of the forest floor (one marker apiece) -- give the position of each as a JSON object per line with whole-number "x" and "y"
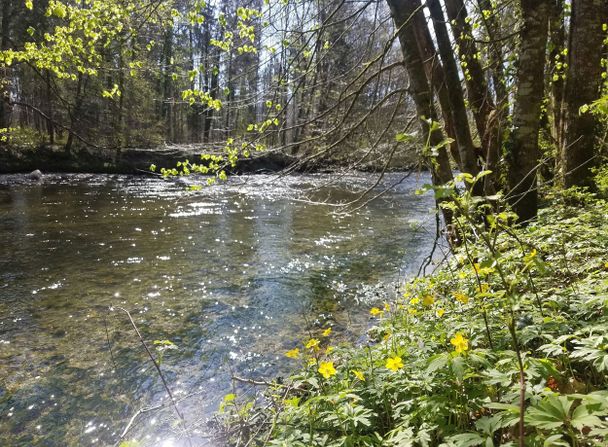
{"x": 508, "y": 339}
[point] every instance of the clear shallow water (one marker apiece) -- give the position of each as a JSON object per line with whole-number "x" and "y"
{"x": 234, "y": 275}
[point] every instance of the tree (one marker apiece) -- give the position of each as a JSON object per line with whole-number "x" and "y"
{"x": 523, "y": 144}
{"x": 583, "y": 81}
{"x": 468, "y": 159}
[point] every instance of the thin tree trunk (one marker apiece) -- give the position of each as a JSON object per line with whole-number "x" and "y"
{"x": 524, "y": 153}
{"x": 495, "y": 52}
{"x": 402, "y": 13}
{"x": 50, "y": 123}
{"x": 583, "y": 82}
{"x": 487, "y": 118}
{"x": 75, "y": 115}
{"x": 479, "y": 96}
{"x": 435, "y": 75}
{"x": 557, "y": 39}
{"x": 4, "y": 42}
{"x": 468, "y": 162}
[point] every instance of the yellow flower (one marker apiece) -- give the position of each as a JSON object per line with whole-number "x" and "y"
{"x": 394, "y": 363}
{"x": 293, "y": 354}
{"x": 428, "y": 300}
{"x": 412, "y": 311}
{"x": 327, "y": 369}
{"x": 460, "y": 343}
{"x": 387, "y": 307}
{"x": 374, "y": 311}
{"x": 326, "y": 332}
{"x": 313, "y": 343}
{"x": 461, "y": 297}
{"x": 414, "y": 301}
{"x": 312, "y": 361}
{"x": 439, "y": 312}
{"x": 483, "y": 271}
{"x": 606, "y": 265}
{"x": 530, "y": 255}
{"x": 359, "y": 375}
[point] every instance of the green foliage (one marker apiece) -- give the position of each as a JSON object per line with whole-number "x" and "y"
{"x": 601, "y": 180}
{"x": 446, "y": 360}
{"x": 22, "y": 137}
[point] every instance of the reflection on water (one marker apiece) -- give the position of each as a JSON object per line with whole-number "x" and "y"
{"x": 233, "y": 275}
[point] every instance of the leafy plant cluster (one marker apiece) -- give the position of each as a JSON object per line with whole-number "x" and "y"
{"x": 506, "y": 345}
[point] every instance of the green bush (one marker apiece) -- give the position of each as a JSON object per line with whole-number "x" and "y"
{"x": 508, "y": 339}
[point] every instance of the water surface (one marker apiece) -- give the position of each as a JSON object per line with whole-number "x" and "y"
{"x": 234, "y": 275}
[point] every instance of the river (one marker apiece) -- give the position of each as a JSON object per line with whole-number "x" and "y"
{"x": 234, "y": 275}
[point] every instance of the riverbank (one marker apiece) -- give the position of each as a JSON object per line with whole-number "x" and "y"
{"x": 507, "y": 341}
{"x": 53, "y": 158}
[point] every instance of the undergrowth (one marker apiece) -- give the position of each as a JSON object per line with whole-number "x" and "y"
{"x": 506, "y": 345}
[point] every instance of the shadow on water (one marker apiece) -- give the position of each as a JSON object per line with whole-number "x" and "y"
{"x": 233, "y": 275}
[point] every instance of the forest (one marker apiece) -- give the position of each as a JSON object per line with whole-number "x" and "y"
{"x": 498, "y": 108}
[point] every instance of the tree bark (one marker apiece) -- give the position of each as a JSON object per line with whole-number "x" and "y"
{"x": 557, "y": 42}
{"x": 487, "y": 118}
{"x": 403, "y": 13}
{"x": 523, "y": 144}
{"x": 435, "y": 75}
{"x": 495, "y": 53}
{"x": 583, "y": 82}
{"x": 468, "y": 161}
{"x": 4, "y": 40}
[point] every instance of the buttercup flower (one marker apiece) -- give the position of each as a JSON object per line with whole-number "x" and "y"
{"x": 359, "y": 375}
{"x": 394, "y": 363}
{"x": 461, "y": 297}
{"x": 293, "y": 354}
{"x": 374, "y": 311}
{"x": 326, "y": 369}
{"x": 460, "y": 343}
{"x": 414, "y": 301}
{"x": 530, "y": 256}
{"x": 428, "y": 300}
{"x": 313, "y": 343}
{"x": 439, "y": 312}
{"x": 326, "y": 332}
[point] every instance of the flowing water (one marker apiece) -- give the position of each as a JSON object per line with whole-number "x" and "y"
{"x": 233, "y": 275}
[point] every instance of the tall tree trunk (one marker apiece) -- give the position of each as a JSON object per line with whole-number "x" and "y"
{"x": 557, "y": 42}
{"x": 495, "y": 52}
{"x": 4, "y": 43}
{"x": 524, "y": 153}
{"x": 487, "y": 119}
{"x": 75, "y": 113}
{"x": 168, "y": 101}
{"x": 468, "y": 162}
{"x": 402, "y": 13}
{"x": 50, "y": 123}
{"x": 435, "y": 75}
{"x": 583, "y": 82}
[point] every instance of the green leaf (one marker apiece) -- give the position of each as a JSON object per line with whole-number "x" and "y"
{"x": 550, "y": 413}
{"x": 467, "y": 440}
{"x": 404, "y": 137}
